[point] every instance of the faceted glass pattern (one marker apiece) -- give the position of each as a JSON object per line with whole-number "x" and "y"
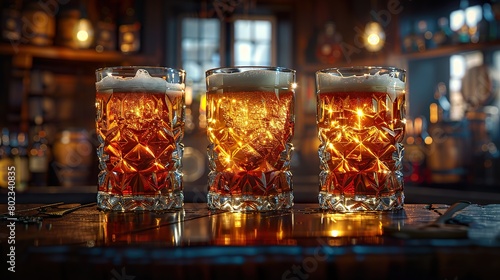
{"x": 250, "y": 150}
{"x": 140, "y": 150}
{"x": 361, "y": 150}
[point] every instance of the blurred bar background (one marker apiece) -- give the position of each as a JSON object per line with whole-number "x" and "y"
{"x": 50, "y": 49}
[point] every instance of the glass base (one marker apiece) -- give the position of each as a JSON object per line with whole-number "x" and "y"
{"x": 249, "y": 203}
{"x": 107, "y": 201}
{"x": 357, "y": 203}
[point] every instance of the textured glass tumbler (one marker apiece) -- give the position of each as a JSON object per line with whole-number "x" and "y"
{"x": 140, "y": 125}
{"x": 361, "y": 126}
{"x": 250, "y": 115}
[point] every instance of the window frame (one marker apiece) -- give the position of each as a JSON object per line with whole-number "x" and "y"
{"x": 274, "y": 35}
{"x": 180, "y": 37}
{"x": 226, "y": 43}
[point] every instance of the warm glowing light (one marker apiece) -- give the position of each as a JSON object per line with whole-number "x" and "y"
{"x": 334, "y": 233}
{"x": 433, "y": 113}
{"x": 374, "y": 36}
{"x": 457, "y": 20}
{"x": 417, "y": 126}
{"x": 428, "y": 140}
{"x": 188, "y": 95}
{"x": 82, "y": 35}
{"x": 373, "y": 39}
{"x": 409, "y": 127}
{"x": 360, "y": 112}
{"x": 203, "y": 104}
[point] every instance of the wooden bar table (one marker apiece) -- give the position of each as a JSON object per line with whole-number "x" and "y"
{"x": 195, "y": 243}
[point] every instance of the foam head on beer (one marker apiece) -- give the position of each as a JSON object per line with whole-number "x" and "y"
{"x": 251, "y": 79}
{"x": 141, "y": 82}
{"x": 329, "y": 82}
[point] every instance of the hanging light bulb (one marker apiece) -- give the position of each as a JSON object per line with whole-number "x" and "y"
{"x": 83, "y": 32}
{"x": 374, "y": 36}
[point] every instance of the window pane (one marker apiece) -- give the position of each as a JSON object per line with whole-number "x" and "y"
{"x": 242, "y": 29}
{"x": 263, "y": 30}
{"x": 210, "y": 29}
{"x": 200, "y": 50}
{"x": 190, "y": 27}
{"x": 189, "y": 49}
{"x": 242, "y": 53}
{"x": 195, "y": 72}
{"x": 208, "y": 48}
{"x": 262, "y": 54}
{"x": 253, "y": 42}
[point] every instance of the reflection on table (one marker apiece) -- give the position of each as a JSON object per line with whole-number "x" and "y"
{"x": 202, "y": 244}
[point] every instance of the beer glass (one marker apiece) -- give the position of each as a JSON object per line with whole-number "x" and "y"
{"x": 250, "y": 125}
{"x": 140, "y": 125}
{"x": 361, "y": 125}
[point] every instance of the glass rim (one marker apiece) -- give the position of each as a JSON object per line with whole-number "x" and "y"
{"x": 358, "y": 68}
{"x": 131, "y": 67}
{"x": 239, "y": 69}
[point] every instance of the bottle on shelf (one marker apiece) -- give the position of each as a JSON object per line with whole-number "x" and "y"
{"x": 409, "y": 39}
{"x": 443, "y": 35}
{"x": 106, "y": 30}
{"x": 10, "y": 21}
{"x": 424, "y": 36}
{"x": 328, "y": 49}
{"x": 39, "y": 24}
{"x": 6, "y": 161}
{"x": 459, "y": 24}
{"x": 487, "y": 26}
{"x": 39, "y": 154}
{"x": 129, "y": 31}
{"x": 416, "y": 150}
{"x": 19, "y": 153}
{"x": 414, "y": 40}
{"x": 440, "y": 110}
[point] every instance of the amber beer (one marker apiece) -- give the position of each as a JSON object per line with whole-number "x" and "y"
{"x": 250, "y": 126}
{"x": 361, "y": 122}
{"x": 140, "y": 125}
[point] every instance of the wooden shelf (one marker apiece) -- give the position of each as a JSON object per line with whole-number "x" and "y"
{"x": 451, "y": 49}
{"x": 68, "y": 54}
{"x": 393, "y": 57}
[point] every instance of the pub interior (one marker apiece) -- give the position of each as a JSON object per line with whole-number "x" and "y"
{"x": 49, "y": 52}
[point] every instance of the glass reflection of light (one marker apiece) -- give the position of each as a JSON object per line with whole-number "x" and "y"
{"x": 177, "y": 231}
{"x": 351, "y": 225}
{"x": 334, "y": 233}
{"x": 250, "y": 228}
{"x": 130, "y": 228}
